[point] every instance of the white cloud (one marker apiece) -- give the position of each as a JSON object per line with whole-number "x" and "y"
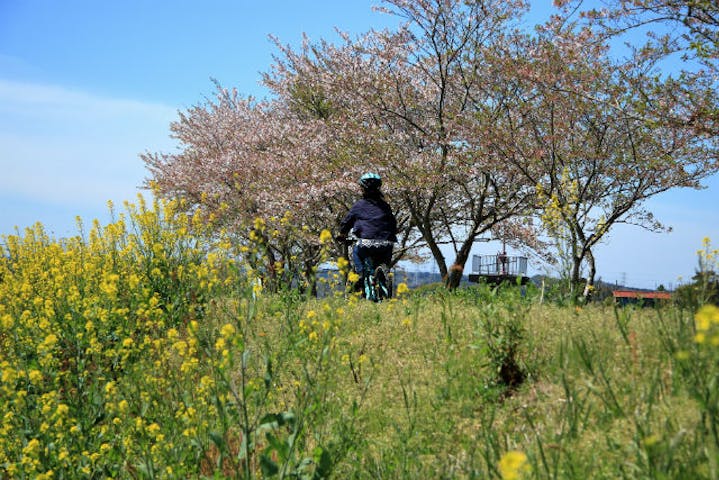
{"x": 65, "y": 153}
{"x": 64, "y": 100}
{"x": 65, "y": 146}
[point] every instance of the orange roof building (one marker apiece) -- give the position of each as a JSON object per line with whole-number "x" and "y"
{"x": 625, "y": 297}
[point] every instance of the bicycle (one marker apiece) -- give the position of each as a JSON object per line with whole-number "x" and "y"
{"x": 377, "y": 281}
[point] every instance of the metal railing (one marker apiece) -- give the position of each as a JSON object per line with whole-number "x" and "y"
{"x": 500, "y": 264}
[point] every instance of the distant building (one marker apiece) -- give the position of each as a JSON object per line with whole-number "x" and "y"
{"x": 644, "y": 298}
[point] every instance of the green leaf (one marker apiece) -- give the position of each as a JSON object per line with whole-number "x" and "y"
{"x": 218, "y": 440}
{"x": 245, "y": 358}
{"x": 277, "y": 445}
{"x": 242, "y": 454}
{"x": 268, "y": 373}
{"x": 275, "y": 420}
{"x": 323, "y": 461}
{"x": 303, "y": 470}
{"x": 269, "y": 467}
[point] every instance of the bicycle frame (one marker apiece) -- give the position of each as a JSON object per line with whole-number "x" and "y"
{"x": 376, "y": 280}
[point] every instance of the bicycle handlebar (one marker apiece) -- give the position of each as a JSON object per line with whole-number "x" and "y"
{"x": 346, "y": 241}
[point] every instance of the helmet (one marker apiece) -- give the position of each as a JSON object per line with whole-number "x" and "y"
{"x": 370, "y": 181}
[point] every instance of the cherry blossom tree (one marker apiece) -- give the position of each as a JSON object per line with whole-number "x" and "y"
{"x": 271, "y": 172}
{"x": 254, "y": 171}
{"x": 693, "y": 24}
{"x": 473, "y": 125}
{"x": 598, "y": 137}
{"x": 683, "y": 34}
{"x": 417, "y": 104}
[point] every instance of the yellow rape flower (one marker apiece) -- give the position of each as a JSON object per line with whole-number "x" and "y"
{"x": 227, "y": 330}
{"x": 6, "y": 322}
{"x": 705, "y": 317}
{"x": 35, "y": 376}
{"x": 50, "y": 340}
{"x": 32, "y": 447}
{"x": 325, "y": 236}
{"x": 133, "y": 281}
{"x": 402, "y": 288}
{"x": 180, "y": 347}
{"x": 62, "y": 410}
{"x": 257, "y": 288}
{"x": 189, "y": 365}
{"x": 706, "y": 323}
{"x": 514, "y": 465}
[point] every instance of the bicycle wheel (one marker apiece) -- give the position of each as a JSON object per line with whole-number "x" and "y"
{"x": 382, "y": 288}
{"x": 369, "y": 290}
{"x": 368, "y": 281}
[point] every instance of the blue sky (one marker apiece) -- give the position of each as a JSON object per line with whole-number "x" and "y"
{"x": 87, "y": 85}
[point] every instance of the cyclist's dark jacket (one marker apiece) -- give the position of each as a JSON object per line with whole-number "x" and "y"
{"x": 371, "y": 218}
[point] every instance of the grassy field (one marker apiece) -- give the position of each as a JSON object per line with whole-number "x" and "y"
{"x": 132, "y": 353}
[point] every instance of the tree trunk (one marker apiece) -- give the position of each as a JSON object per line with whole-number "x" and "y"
{"x": 454, "y": 276}
{"x": 439, "y": 260}
{"x": 589, "y": 286}
{"x": 577, "y": 259}
{"x": 425, "y": 228}
{"x": 575, "y": 279}
{"x": 437, "y": 254}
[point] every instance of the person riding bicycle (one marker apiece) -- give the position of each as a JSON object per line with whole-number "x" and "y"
{"x": 373, "y": 223}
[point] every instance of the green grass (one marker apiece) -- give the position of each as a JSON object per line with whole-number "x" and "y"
{"x": 410, "y": 389}
{"x": 280, "y": 386}
{"x": 141, "y": 351}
